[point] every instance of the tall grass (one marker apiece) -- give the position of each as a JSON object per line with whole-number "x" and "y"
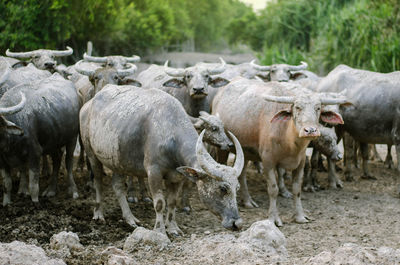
{"x": 360, "y": 33}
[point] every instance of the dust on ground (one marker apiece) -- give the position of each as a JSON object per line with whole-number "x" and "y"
{"x": 364, "y": 212}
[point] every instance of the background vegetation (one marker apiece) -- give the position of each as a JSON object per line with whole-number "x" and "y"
{"x": 360, "y": 33}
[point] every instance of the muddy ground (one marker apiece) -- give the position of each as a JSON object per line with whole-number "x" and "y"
{"x": 364, "y": 212}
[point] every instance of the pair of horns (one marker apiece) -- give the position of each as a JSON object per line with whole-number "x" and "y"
{"x": 290, "y": 100}
{"x": 121, "y": 72}
{"x": 180, "y": 72}
{"x": 212, "y": 167}
{"x": 30, "y": 54}
{"x": 264, "y": 68}
{"x": 95, "y": 59}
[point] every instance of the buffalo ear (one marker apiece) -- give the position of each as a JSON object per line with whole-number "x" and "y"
{"x": 218, "y": 82}
{"x": 283, "y": 115}
{"x": 331, "y": 117}
{"x": 297, "y": 76}
{"x": 130, "y": 81}
{"x": 19, "y": 64}
{"x": 174, "y": 82}
{"x": 191, "y": 173}
{"x": 10, "y": 127}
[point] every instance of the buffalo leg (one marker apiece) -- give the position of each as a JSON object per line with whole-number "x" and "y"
{"x": 187, "y": 188}
{"x": 118, "y": 184}
{"x": 172, "y": 198}
{"x": 364, "y": 154}
{"x": 398, "y": 156}
{"x": 143, "y": 190}
{"x": 314, "y": 169}
{"x": 7, "y": 182}
{"x": 334, "y": 181}
{"x": 23, "y": 182}
{"x": 97, "y": 169}
{"x": 349, "y": 153}
{"x": 45, "y": 166}
{"x": 81, "y": 160}
{"x": 156, "y": 188}
{"x": 273, "y": 191}
{"x": 131, "y": 191}
{"x": 389, "y": 160}
{"x": 244, "y": 190}
{"x": 374, "y": 154}
{"x": 52, "y": 188}
{"x": 307, "y": 183}
{"x": 34, "y": 173}
{"x": 300, "y": 217}
{"x": 69, "y": 162}
{"x": 283, "y": 191}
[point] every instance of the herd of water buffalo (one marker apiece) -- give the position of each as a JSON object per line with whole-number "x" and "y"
{"x": 152, "y": 125}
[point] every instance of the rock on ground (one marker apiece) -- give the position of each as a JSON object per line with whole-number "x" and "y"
{"x": 262, "y": 243}
{"x": 144, "y": 237}
{"x": 116, "y": 256}
{"x": 354, "y": 254}
{"x": 65, "y": 239}
{"x": 19, "y": 253}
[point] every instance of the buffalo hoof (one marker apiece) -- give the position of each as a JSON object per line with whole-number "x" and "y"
{"x": 174, "y": 231}
{"x": 309, "y": 188}
{"x": 285, "y": 193}
{"x": 147, "y": 200}
{"x": 348, "y": 177}
{"x": 186, "y": 209}
{"x": 301, "y": 219}
{"x": 389, "y": 164}
{"x": 338, "y": 184}
{"x": 276, "y": 220}
{"x": 23, "y": 192}
{"x": 49, "y": 192}
{"x": 368, "y": 177}
{"x": 133, "y": 199}
{"x": 249, "y": 204}
{"x": 98, "y": 216}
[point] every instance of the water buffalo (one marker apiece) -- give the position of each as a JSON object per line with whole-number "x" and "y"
{"x": 42, "y": 59}
{"x": 149, "y": 134}
{"x": 115, "y": 61}
{"x": 280, "y": 72}
{"x": 273, "y": 128}
{"x": 48, "y": 121}
{"x": 10, "y": 77}
{"x": 374, "y": 116}
{"x": 190, "y": 85}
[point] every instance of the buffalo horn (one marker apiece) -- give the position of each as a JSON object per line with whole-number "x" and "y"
{"x": 81, "y": 70}
{"x": 14, "y": 109}
{"x": 174, "y": 72}
{"x": 67, "y": 52}
{"x": 219, "y": 69}
{"x": 239, "y": 161}
{"x": 283, "y": 99}
{"x": 20, "y": 54}
{"x": 262, "y": 68}
{"x": 302, "y": 66}
{"x": 206, "y": 162}
{"x": 94, "y": 59}
{"x": 129, "y": 71}
{"x": 133, "y": 59}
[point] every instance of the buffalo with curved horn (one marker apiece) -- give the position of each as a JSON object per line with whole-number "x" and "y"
{"x": 134, "y": 122}
{"x": 279, "y": 72}
{"x": 43, "y": 59}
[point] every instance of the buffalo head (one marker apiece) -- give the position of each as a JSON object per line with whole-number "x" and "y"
{"x": 279, "y": 72}
{"x": 195, "y": 79}
{"x": 306, "y": 110}
{"x": 217, "y": 184}
{"x": 103, "y": 76}
{"x": 42, "y": 59}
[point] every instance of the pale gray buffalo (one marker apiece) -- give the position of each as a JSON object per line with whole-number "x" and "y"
{"x": 190, "y": 85}
{"x": 281, "y": 72}
{"x": 46, "y": 123}
{"x": 43, "y": 59}
{"x": 146, "y": 132}
{"x": 10, "y": 77}
{"x": 274, "y": 126}
{"x": 374, "y": 116}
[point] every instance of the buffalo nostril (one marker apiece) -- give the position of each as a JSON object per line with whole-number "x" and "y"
{"x": 49, "y": 64}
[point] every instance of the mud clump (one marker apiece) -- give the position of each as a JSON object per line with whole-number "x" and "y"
{"x": 20, "y": 253}
{"x": 143, "y": 237}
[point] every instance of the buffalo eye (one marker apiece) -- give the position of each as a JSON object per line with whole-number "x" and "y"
{"x": 188, "y": 76}
{"x": 214, "y": 128}
{"x": 298, "y": 108}
{"x": 223, "y": 189}
{"x": 115, "y": 77}
{"x": 110, "y": 64}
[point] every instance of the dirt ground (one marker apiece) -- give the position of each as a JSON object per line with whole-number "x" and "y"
{"x": 364, "y": 212}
